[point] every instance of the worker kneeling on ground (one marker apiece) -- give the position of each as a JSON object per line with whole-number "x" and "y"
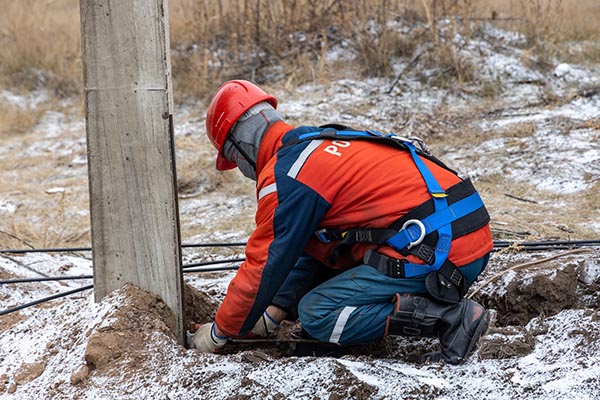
{"x": 359, "y": 234}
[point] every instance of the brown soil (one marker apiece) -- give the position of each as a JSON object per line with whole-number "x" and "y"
{"x": 199, "y": 307}
{"x": 347, "y": 386}
{"x": 131, "y": 327}
{"x": 29, "y": 371}
{"x": 542, "y": 294}
{"x": 507, "y": 342}
{"x": 9, "y": 320}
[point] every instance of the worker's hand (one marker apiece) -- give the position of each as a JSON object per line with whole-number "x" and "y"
{"x": 206, "y": 340}
{"x": 264, "y": 326}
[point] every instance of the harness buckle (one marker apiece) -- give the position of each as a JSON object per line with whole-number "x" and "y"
{"x": 456, "y": 277}
{"x": 395, "y": 268}
{"x": 421, "y": 235}
{"x": 425, "y": 253}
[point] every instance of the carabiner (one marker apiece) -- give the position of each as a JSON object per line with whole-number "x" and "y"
{"x": 421, "y": 236}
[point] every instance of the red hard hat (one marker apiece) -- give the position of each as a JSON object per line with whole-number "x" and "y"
{"x": 232, "y": 100}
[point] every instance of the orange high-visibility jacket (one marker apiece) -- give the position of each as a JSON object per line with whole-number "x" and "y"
{"x": 331, "y": 184}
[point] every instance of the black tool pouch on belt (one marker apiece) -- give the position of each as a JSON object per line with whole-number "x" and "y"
{"x": 446, "y": 284}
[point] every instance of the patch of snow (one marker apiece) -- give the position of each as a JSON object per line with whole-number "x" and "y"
{"x": 570, "y": 73}
{"x": 591, "y": 272}
{"x": 580, "y": 109}
{"x": 51, "y": 125}
{"x": 55, "y": 190}
{"x": 80, "y": 160}
{"x": 502, "y": 36}
{"x": 25, "y": 102}
{"x": 7, "y": 207}
{"x": 564, "y": 162}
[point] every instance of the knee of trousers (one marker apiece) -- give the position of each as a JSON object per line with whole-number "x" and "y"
{"x": 312, "y": 317}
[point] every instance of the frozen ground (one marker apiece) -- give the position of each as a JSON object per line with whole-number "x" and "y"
{"x": 545, "y": 343}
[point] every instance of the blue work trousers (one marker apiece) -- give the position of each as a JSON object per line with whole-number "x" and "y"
{"x": 352, "y": 307}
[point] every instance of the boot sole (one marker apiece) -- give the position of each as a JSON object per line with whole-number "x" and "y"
{"x": 479, "y": 332}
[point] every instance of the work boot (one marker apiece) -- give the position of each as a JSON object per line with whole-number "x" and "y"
{"x": 458, "y": 326}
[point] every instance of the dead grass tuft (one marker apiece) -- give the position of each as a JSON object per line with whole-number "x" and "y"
{"x": 196, "y": 172}
{"x": 15, "y": 120}
{"x": 289, "y": 41}
{"x": 40, "y": 44}
{"x": 55, "y": 224}
{"x": 377, "y": 48}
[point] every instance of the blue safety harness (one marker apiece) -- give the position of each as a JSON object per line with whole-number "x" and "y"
{"x": 460, "y": 207}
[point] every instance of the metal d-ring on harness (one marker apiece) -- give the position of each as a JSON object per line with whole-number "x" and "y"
{"x": 465, "y": 210}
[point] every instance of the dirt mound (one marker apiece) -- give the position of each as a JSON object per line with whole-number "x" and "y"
{"x": 199, "y": 307}
{"x": 128, "y": 336}
{"x": 137, "y": 329}
{"x": 125, "y": 331}
{"x": 545, "y": 292}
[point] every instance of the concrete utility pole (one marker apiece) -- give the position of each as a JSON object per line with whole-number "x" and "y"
{"x": 131, "y": 158}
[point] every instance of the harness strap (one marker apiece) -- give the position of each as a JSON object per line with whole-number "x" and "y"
{"x": 341, "y": 132}
{"x": 444, "y": 216}
{"x": 438, "y": 223}
{"x": 396, "y": 268}
{"x": 462, "y": 199}
{"x": 389, "y": 266}
{"x": 441, "y": 219}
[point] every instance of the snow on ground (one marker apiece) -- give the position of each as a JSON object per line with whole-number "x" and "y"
{"x": 24, "y": 102}
{"x": 44, "y": 353}
{"x": 55, "y": 350}
{"x": 569, "y": 162}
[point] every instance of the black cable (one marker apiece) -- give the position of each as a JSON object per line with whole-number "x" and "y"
{"x": 233, "y": 244}
{"x": 211, "y": 269}
{"x": 535, "y": 248}
{"x": 59, "y": 278}
{"x": 497, "y": 244}
{"x": 45, "y": 299}
{"x": 571, "y": 243}
{"x": 543, "y": 245}
{"x": 76, "y": 249}
{"x": 189, "y": 268}
{"x": 53, "y": 250}
{"x": 45, "y": 279}
{"x": 199, "y": 264}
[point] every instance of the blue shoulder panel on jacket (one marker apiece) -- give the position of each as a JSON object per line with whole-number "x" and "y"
{"x": 298, "y": 215}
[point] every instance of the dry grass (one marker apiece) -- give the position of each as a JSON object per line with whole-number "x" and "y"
{"x": 550, "y": 26}
{"x": 557, "y": 20}
{"x": 270, "y": 40}
{"x": 47, "y": 190}
{"x": 53, "y": 225}
{"x": 40, "y": 45}
{"x": 286, "y": 41}
{"x": 15, "y": 120}
{"x": 520, "y": 211}
{"x": 196, "y": 172}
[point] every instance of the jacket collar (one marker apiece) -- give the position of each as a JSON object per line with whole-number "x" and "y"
{"x": 270, "y": 143}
